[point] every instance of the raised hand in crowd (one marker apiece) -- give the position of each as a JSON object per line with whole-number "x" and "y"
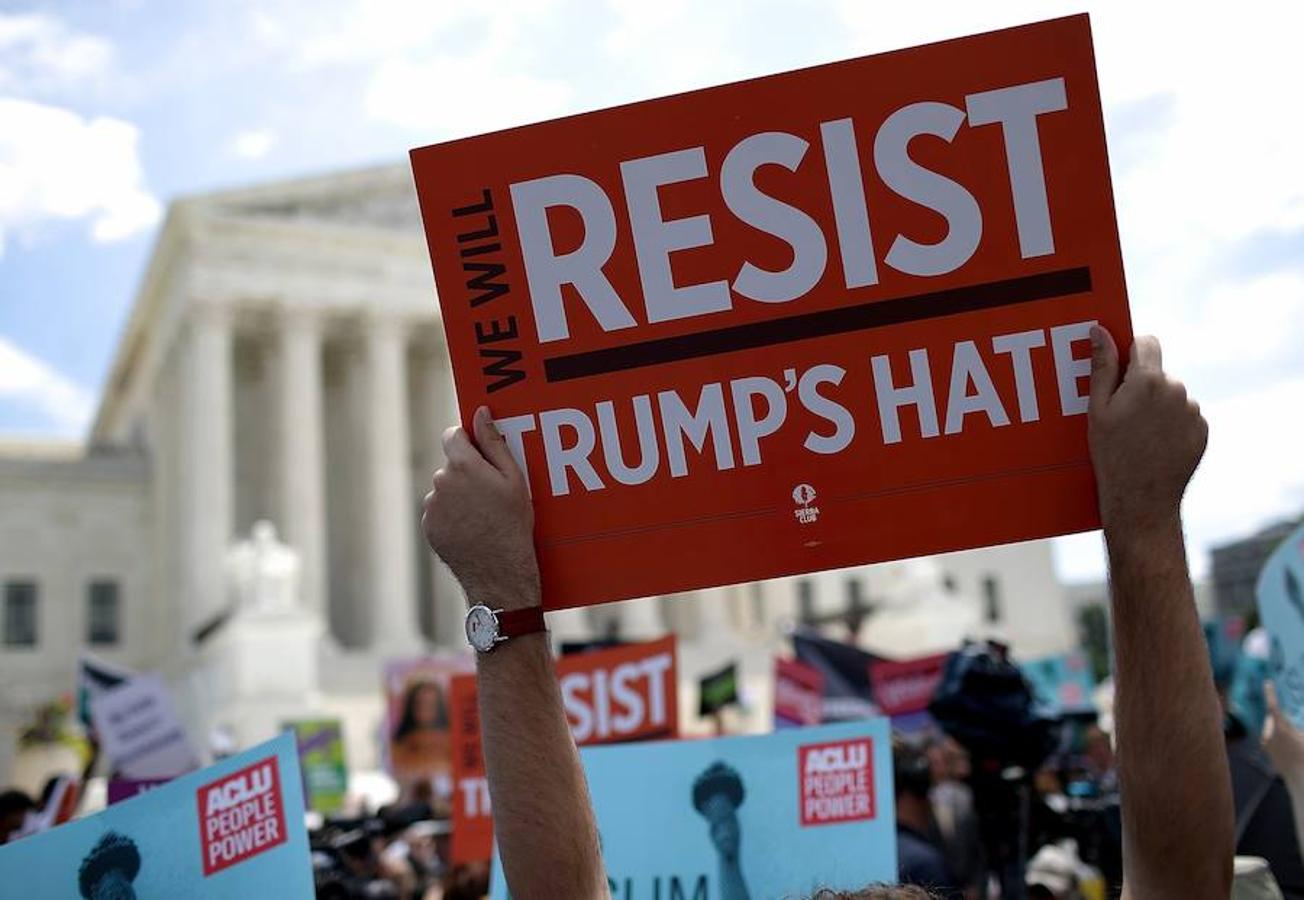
{"x": 479, "y": 520}
{"x": 1146, "y": 438}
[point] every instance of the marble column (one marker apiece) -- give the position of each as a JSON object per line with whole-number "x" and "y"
{"x": 207, "y": 462}
{"x": 302, "y": 461}
{"x": 449, "y": 600}
{"x": 640, "y": 619}
{"x": 392, "y": 524}
{"x": 714, "y": 620}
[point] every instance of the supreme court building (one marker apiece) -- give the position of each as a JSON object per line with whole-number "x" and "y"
{"x": 284, "y": 363}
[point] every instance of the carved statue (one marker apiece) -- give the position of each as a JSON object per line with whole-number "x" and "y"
{"x": 263, "y": 573}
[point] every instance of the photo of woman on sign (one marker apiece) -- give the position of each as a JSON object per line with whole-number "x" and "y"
{"x": 420, "y": 756}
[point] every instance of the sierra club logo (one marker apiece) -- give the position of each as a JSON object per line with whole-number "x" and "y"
{"x": 804, "y": 495}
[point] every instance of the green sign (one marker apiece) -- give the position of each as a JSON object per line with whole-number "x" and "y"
{"x": 718, "y": 690}
{"x": 321, "y": 758}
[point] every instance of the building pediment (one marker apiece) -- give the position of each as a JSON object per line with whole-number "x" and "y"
{"x": 382, "y": 197}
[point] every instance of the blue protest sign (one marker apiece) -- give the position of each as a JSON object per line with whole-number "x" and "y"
{"x": 779, "y": 815}
{"x": 1063, "y": 683}
{"x": 233, "y": 830}
{"x": 1280, "y": 595}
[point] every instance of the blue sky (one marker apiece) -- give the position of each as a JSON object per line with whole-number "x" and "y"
{"x": 111, "y": 108}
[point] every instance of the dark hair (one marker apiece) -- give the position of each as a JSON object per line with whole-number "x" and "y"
{"x": 114, "y": 853}
{"x": 15, "y": 801}
{"x": 911, "y": 771}
{"x": 876, "y": 892}
{"x": 408, "y": 722}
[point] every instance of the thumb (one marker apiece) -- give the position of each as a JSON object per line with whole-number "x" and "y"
{"x": 493, "y": 445}
{"x": 1104, "y": 368}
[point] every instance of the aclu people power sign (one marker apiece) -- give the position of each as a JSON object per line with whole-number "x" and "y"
{"x": 774, "y": 815}
{"x": 1280, "y": 596}
{"x": 813, "y": 320}
{"x": 233, "y": 830}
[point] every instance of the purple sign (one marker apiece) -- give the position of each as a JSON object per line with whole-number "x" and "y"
{"x": 125, "y": 788}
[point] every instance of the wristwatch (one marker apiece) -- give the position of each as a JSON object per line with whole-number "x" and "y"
{"x": 486, "y": 628}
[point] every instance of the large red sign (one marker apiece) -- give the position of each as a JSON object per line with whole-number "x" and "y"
{"x": 819, "y": 319}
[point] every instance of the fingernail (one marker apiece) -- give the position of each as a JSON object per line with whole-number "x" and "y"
{"x": 1097, "y": 335}
{"x": 487, "y": 418}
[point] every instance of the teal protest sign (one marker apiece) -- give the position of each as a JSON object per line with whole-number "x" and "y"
{"x": 1280, "y": 595}
{"x": 775, "y": 815}
{"x": 233, "y": 830}
{"x": 1063, "y": 683}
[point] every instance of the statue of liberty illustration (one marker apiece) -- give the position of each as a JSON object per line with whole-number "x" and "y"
{"x": 717, "y": 795}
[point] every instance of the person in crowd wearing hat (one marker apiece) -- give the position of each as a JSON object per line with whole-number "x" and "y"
{"x": 920, "y": 858}
{"x": 1146, "y": 439}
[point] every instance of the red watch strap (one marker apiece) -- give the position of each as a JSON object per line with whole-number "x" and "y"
{"x": 516, "y": 622}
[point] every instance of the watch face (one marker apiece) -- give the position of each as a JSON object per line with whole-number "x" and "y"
{"x": 481, "y": 628}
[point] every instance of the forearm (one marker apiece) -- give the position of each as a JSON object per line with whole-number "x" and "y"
{"x": 543, "y": 821}
{"x": 1176, "y": 790}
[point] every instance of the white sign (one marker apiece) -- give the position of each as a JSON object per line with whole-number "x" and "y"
{"x": 140, "y": 732}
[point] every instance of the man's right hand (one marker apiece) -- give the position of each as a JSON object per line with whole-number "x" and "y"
{"x": 1146, "y": 436}
{"x": 478, "y": 518}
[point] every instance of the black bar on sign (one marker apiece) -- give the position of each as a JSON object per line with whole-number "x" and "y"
{"x": 875, "y": 314}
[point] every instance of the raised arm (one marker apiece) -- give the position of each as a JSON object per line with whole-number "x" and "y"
{"x": 1146, "y": 439}
{"x": 479, "y": 520}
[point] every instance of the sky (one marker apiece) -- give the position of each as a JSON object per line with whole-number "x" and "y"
{"x": 110, "y": 109}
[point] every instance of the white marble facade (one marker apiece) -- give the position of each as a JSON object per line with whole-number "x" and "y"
{"x": 285, "y": 361}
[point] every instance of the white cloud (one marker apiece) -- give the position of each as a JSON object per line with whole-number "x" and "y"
{"x": 1252, "y": 471}
{"x": 27, "y": 381}
{"x": 479, "y": 82}
{"x": 253, "y": 144}
{"x": 56, "y": 165}
{"x": 39, "y": 54}
{"x": 424, "y": 95}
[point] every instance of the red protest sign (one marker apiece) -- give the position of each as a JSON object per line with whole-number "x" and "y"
{"x": 628, "y": 693}
{"x": 837, "y": 782}
{"x": 906, "y": 687}
{"x": 473, "y": 824}
{"x": 798, "y": 693}
{"x": 801, "y": 322}
{"x": 241, "y": 815}
{"x": 625, "y": 693}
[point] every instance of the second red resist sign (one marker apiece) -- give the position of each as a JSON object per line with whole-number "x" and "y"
{"x": 813, "y": 320}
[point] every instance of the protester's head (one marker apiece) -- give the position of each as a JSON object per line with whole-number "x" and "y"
{"x": 14, "y": 807}
{"x": 912, "y": 772}
{"x": 717, "y": 794}
{"x": 423, "y": 709}
{"x": 877, "y": 892}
